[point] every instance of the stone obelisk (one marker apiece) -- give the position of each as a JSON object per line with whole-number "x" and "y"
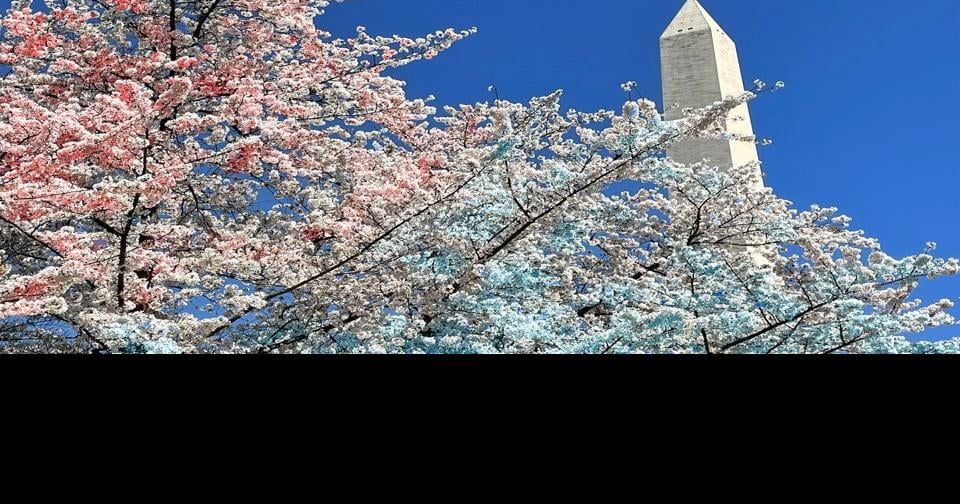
{"x": 700, "y": 66}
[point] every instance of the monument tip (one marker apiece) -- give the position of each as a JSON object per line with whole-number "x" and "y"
{"x": 692, "y": 17}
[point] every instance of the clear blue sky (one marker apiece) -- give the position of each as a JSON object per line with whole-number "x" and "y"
{"x": 867, "y": 122}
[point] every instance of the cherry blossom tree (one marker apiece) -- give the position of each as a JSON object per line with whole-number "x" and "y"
{"x": 182, "y": 176}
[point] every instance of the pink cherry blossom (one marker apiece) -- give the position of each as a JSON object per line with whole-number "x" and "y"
{"x": 242, "y": 181}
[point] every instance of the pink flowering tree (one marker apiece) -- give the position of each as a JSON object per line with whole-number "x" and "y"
{"x": 223, "y": 176}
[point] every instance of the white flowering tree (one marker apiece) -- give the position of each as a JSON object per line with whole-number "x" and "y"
{"x": 223, "y": 176}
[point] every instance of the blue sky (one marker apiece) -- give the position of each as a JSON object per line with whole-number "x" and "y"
{"x": 867, "y": 122}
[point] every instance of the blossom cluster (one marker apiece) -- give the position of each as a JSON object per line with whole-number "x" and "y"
{"x": 244, "y": 182}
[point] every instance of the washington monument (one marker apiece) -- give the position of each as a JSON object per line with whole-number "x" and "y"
{"x": 700, "y": 66}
